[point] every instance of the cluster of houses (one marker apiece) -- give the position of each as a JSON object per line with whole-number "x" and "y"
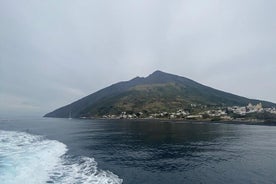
{"x": 178, "y": 114}
{"x": 270, "y": 110}
{"x": 221, "y": 113}
{"x": 124, "y": 115}
{"x": 242, "y": 110}
{"x": 251, "y": 109}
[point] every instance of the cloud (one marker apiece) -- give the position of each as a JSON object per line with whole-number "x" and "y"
{"x": 54, "y": 52}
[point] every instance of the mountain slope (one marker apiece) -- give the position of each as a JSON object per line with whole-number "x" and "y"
{"x": 158, "y": 92}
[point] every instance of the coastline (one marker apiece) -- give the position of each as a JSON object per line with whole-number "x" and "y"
{"x": 163, "y": 120}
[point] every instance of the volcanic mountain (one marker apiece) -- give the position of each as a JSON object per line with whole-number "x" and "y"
{"x": 156, "y": 93}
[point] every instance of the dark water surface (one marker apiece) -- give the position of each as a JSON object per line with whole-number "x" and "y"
{"x": 161, "y": 152}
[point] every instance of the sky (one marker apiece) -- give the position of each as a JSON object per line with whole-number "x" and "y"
{"x": 55, "y": 52}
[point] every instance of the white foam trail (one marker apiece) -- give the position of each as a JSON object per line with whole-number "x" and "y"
{"x": 82, "y": 170}
{"x": 26, "y": 158}
{"x": 31, "y": 159}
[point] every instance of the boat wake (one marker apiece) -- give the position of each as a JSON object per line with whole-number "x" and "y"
{"x": 32, "y": 159}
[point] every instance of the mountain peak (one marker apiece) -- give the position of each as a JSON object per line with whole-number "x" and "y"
{"x": 163, "y": 77}
{"x": 159, "y": 72}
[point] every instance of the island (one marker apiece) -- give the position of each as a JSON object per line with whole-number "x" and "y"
{"x": 166, "y": 96}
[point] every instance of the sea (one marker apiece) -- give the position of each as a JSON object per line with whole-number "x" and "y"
{"x": 75, "y": 151}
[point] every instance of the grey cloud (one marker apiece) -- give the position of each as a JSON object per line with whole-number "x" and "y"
{"x": 54, "y": 52}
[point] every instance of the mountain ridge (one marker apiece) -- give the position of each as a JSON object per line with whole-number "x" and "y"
{"x": 157, "y": 92}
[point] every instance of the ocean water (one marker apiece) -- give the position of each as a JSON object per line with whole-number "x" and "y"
{"x": 49, "y": 150}
{"x": 26, "y": 158}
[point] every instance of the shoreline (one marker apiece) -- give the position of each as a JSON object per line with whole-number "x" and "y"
{"x": 163, "y": 120}
{"x": 238, "y": 122}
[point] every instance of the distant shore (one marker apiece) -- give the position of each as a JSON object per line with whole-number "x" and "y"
{"x": 163, "y": 120}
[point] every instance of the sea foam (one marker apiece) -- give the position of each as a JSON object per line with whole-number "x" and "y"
{"x": 32, "y": 159}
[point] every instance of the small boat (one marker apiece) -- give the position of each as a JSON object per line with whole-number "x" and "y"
{"x": 70, "y": 117}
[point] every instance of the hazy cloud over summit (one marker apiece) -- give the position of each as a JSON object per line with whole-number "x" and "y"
{"x": 54, "y": 52}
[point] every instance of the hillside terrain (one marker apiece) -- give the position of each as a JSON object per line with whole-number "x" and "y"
{"x": 159, "y": 92}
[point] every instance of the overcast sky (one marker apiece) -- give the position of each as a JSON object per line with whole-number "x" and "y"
{"x": 53, "y": 52}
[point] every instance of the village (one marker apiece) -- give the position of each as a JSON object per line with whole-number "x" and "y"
{"x": 218, "y": 113}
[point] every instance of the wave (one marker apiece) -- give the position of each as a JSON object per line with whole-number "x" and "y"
{"x": 32, "y": 159}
